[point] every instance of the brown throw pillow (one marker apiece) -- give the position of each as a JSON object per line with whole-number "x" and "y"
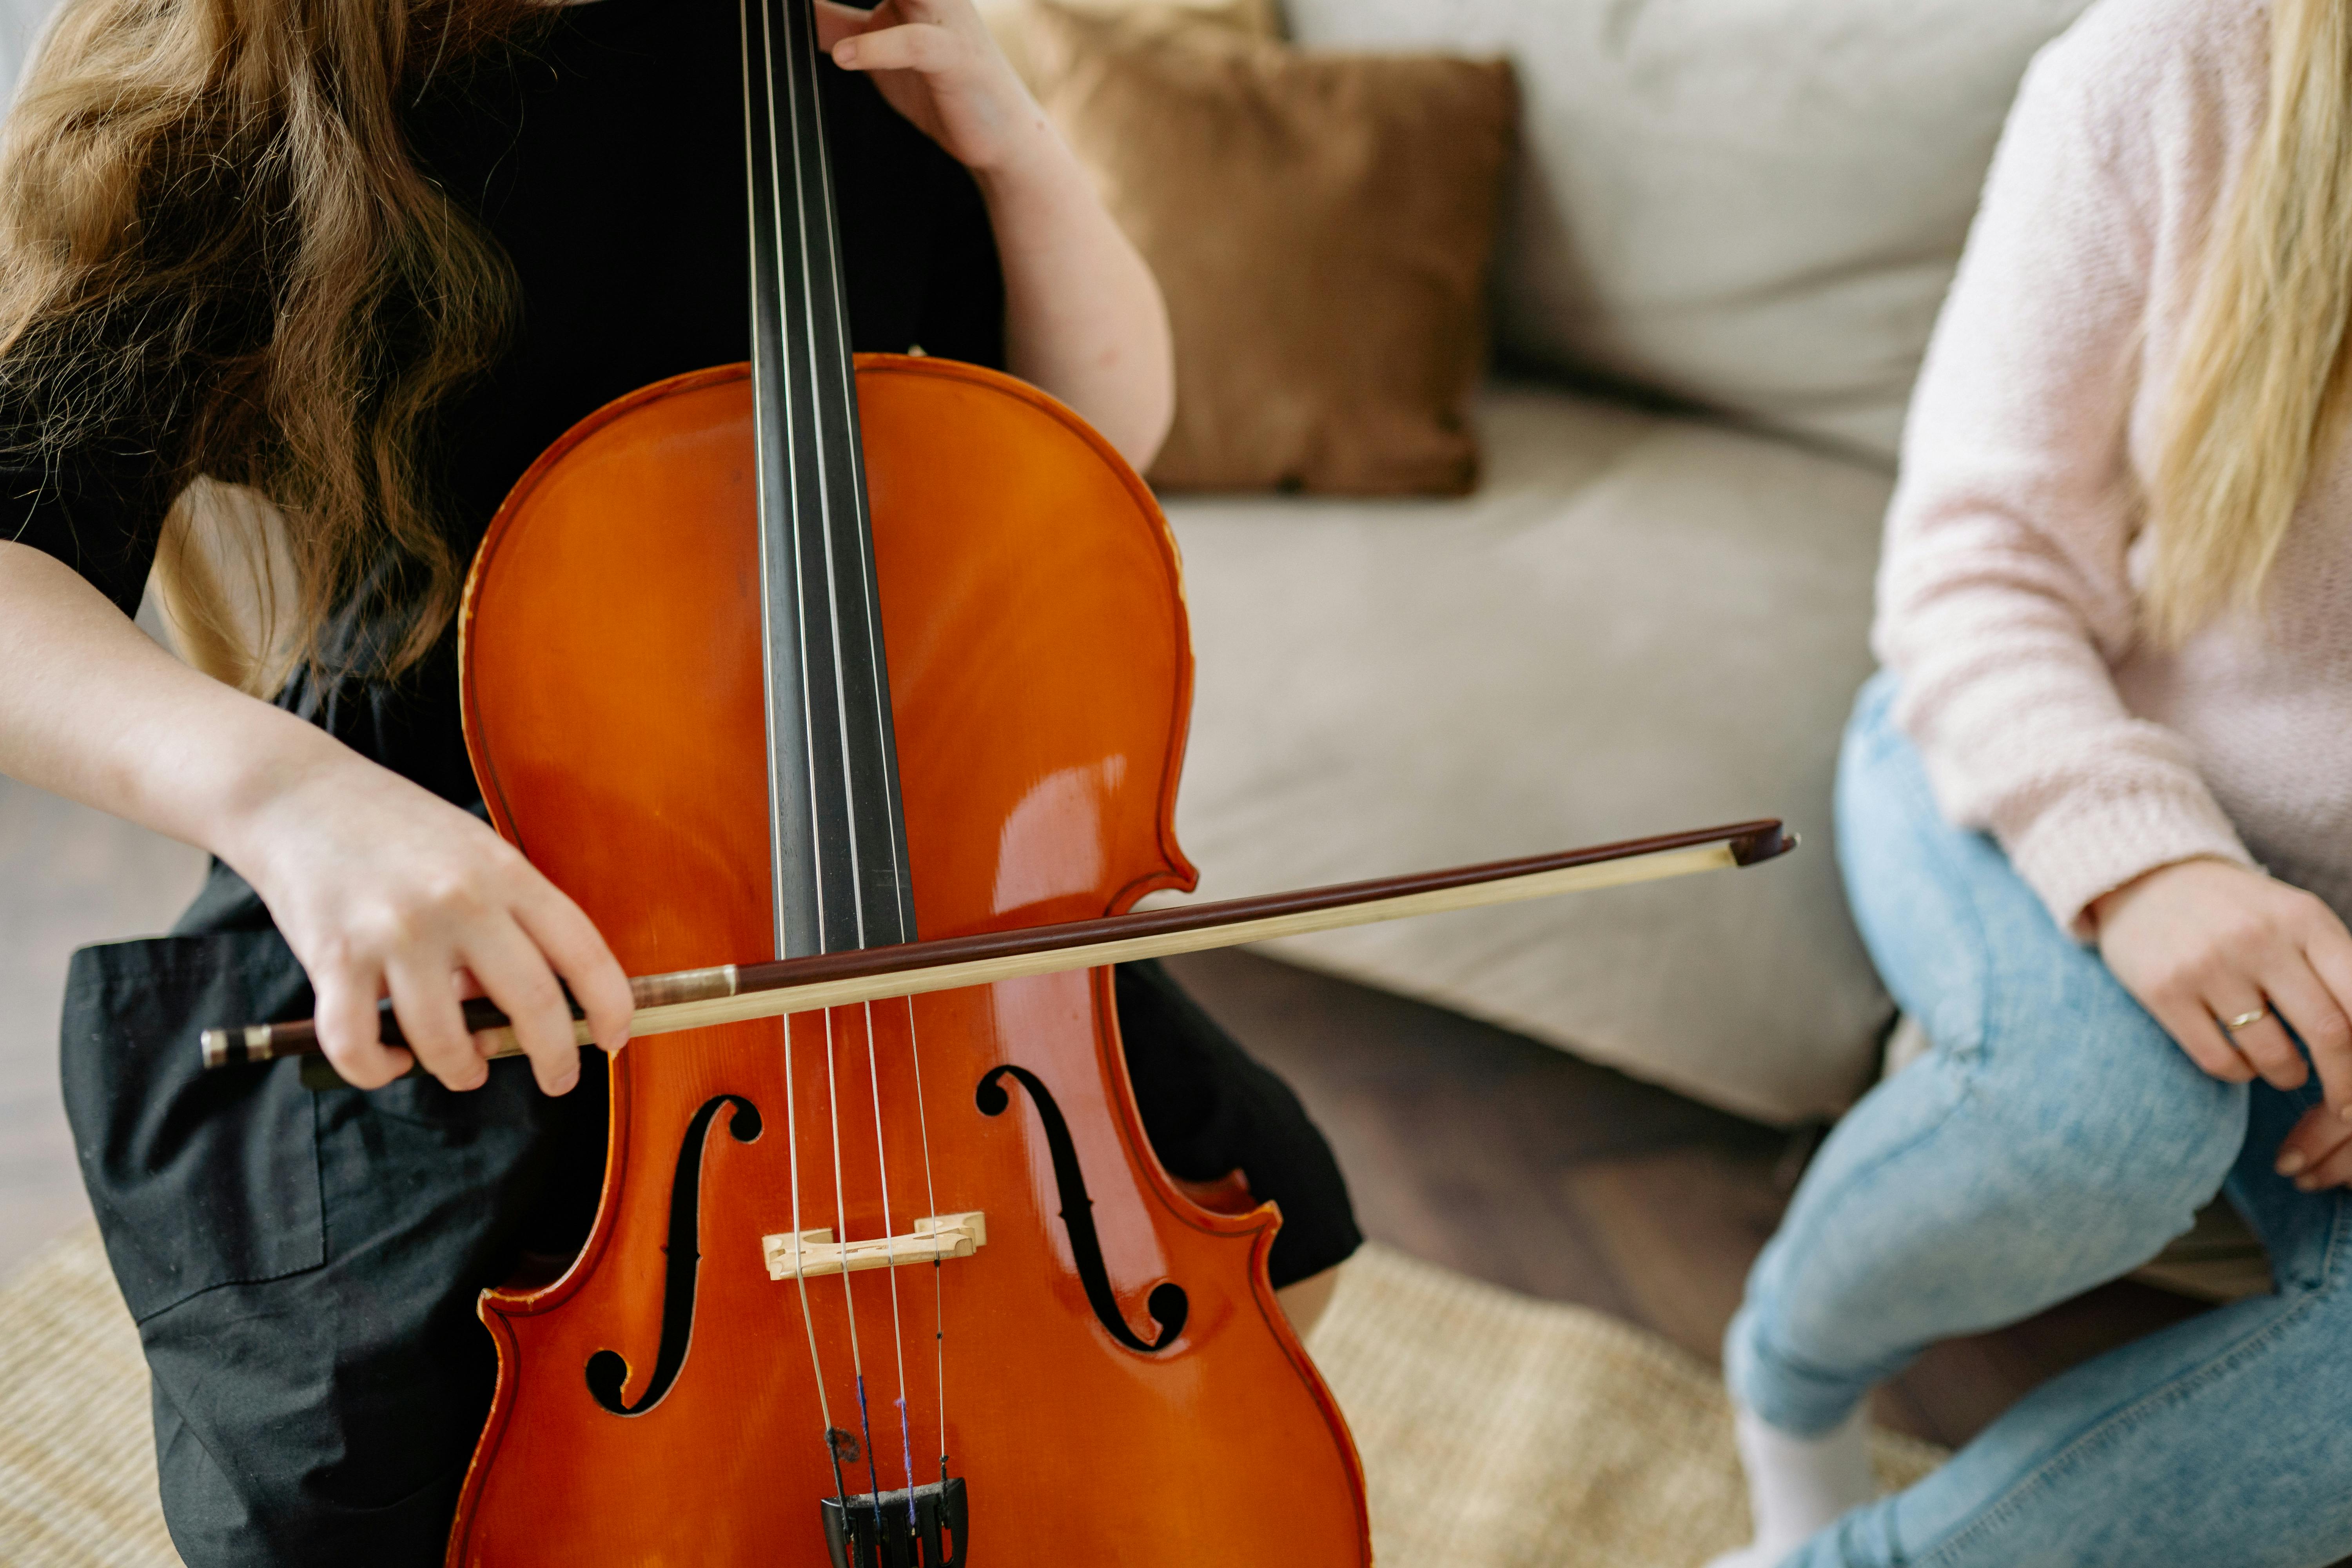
{"x": 1320, "y": 225}
{"x": 1011, "y": 20}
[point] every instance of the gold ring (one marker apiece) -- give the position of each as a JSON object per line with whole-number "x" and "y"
{"x": 2242, "y": 1020}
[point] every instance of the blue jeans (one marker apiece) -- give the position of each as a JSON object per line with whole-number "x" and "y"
{"x": 2055, "y": 1139}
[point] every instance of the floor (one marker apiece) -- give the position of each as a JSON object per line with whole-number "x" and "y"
{"x": 1465, "y": 1144}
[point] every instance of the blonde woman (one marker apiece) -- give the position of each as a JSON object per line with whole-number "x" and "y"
{"x": 2095, "y": 818}
{"x": 362, "y": 260}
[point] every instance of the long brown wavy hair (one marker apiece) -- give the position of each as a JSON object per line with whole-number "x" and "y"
{"x": 214, "y": 237}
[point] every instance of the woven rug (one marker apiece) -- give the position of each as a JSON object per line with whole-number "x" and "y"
{"x": 1501, "y": 1432}
{"x": 1497, "y": 1432}
{"x": 77, "y": 1442}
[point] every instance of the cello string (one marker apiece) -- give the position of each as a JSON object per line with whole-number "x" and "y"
{"x": 759, "y": 106}
{"x": 939, "y": 1269}
{"x": 890, "y": 1264}
{"x": 900, "y": 881}
{"x": 841, "y": 1234}
{"x": 800, "y": 76}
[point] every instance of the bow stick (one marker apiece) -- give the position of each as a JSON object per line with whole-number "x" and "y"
{"x": 699, "y": 998}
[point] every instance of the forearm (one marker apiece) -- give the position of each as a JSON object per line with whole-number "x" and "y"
{"x": 2024, "y": 734}
{"x": 92, "y": 710}
{"x": 1084, "y": 317}
{"x": 379, "y": 887}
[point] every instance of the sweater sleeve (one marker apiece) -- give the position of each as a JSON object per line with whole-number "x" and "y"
{"x": 2004, "y": 594}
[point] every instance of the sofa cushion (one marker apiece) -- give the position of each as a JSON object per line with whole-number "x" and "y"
{"x": 1756, "y": 206}
{"x": 1320, "y": 225}
{"x": 1013, "y": 22}
{"x": 1639, "y": 625}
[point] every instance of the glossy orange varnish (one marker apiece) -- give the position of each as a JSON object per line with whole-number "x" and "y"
{"x": 1041, "y": 676}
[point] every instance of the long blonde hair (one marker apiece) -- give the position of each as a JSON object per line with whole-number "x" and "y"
{"x": 2262, "y": 381}
{"x": 212, "y": 230}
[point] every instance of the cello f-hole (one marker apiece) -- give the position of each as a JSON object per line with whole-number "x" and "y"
{"x": 1167, "y": 1304}
{"x": 608, "y": 1370}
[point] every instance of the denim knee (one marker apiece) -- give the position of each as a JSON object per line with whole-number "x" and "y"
{"x": 2125, "y": 1166}
{"x": 2078, "y": 1088}
{"x": 2088, "y": 1122}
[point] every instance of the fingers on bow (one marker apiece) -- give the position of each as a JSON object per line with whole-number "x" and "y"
{"x": 521, "y": 959}
{"x": 349, "y": 1030}
{"x": 515, "y": 974}
{"x": 424, "y": 998}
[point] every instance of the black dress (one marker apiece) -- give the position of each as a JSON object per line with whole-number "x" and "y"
{"x": 303, "y": 1265}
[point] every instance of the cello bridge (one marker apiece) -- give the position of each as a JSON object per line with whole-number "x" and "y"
{"x": 935, "y": 1240}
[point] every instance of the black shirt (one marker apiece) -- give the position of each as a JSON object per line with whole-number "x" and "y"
{"x": 606, "y": 157}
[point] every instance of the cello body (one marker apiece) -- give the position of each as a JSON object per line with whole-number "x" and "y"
{"x": 665, "y": 1399}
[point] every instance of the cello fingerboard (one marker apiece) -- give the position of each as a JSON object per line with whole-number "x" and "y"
{"x": 838, "y": 839}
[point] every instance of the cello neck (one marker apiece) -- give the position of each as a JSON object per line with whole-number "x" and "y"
{"x": 837, "y": 835}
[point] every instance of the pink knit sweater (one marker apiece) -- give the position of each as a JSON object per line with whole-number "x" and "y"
{"x": 2006, "y": 598}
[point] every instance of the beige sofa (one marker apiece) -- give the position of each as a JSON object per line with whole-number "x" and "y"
{"x": 1643, "y": 620}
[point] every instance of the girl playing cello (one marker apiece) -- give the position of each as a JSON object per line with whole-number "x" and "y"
{"x": 362, "y": 260}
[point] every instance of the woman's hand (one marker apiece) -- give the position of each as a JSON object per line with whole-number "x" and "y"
{"x": 380, "y": 886}
{"x": 383, "y": 889}
{"x": 938, "y": 64}
{"x": 1083, "y": 315}
{"x": 2204, "y": 941}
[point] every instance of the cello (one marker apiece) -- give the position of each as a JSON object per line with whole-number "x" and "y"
{"x": 863, "y": 648}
